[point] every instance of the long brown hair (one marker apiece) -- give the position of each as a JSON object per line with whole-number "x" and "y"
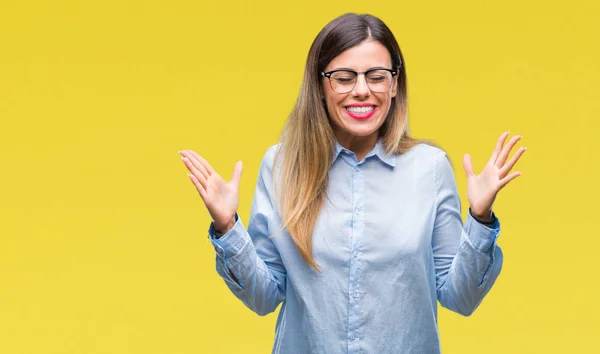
{"x": 308, "y": 142}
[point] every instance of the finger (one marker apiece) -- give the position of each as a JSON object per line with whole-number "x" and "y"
{"x": 198, "y": 186}
{"x": 204, "y": 163}
{"x": 199, "y": 176}
{"x": 237, "y": 173}
{"x": 506, "y": 151}
{"x": 505, "y": 180}
{"x": 468, "y": 166}
{"x": 511, "y": 163}
{"x": 197, "y": 165}
{"x": 499, "y": 145}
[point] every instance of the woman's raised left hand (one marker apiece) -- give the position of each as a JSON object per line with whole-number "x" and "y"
{"x": 483, "y": 188}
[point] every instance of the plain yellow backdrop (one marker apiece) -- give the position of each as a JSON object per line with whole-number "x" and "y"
{"x": 103, "y": 239}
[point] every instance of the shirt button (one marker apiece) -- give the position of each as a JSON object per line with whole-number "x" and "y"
{"x": 355, "y": 294}
{"x": 355, "y": 254}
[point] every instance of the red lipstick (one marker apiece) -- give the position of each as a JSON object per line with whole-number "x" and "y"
{"x": 362, "y": 114}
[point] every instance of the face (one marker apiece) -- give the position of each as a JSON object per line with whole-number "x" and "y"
{"x": 359, "y": 113}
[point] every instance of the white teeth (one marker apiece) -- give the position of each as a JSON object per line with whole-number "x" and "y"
{"x": 360, "y": 110}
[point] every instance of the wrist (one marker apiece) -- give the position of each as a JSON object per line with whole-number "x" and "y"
{"x": 483, "y": 217}
{"x": 224, "y": 228}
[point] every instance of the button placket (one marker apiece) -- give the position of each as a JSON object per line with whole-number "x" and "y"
{"x": 354, "y": 292}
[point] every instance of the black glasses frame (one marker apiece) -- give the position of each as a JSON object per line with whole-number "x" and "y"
{"x": 356, "y": 73}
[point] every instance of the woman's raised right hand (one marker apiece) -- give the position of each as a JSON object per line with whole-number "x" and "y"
{"x": 221, "y": 198}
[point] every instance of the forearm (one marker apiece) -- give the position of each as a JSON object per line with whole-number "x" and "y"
{"x": 474, "y": 270}
{"x": 246, "y": 274}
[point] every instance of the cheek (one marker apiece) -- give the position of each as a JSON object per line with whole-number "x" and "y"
{"x": 333, "y": 103}
{"x": 332, "y": 110}
{"x": 386, "y": 103}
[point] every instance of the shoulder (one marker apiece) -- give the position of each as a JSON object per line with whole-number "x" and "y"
{"x": 270, "y": 155}
{"x": 425, "y": 155}
{"x": 268, "y": 168}
{"x": 428, "y": 162}
{"x": 271, "y": 151}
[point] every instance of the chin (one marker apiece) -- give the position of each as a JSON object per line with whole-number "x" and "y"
{"x": 361, "y": 130}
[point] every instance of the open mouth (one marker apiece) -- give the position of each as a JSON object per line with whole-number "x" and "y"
{"x": 360, "y": 112}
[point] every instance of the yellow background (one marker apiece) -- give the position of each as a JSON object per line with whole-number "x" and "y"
{"x": 103, "y": 237}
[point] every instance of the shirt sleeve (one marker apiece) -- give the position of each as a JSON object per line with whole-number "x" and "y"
{"x": 467, "y": 258}
{"x": 247, "y": 259}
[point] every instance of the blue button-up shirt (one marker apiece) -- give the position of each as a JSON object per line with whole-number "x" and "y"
{"x": 390, "y": 244}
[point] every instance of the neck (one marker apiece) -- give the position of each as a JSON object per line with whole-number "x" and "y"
{"x": 359, "y": 145}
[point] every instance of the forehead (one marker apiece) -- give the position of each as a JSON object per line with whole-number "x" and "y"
{"x": 361, "y": 57}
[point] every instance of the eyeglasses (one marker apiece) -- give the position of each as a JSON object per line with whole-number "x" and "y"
{"x": 344, "y": 80}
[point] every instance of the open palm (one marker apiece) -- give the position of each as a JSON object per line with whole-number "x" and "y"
{"x": 483, "y": 188}
{"x": 220, "y": 197}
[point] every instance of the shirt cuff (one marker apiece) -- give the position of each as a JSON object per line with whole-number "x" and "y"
{"x": 481, "y": 236}
{"x": 230, "y": 243}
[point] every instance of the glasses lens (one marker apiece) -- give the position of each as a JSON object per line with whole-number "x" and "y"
{"x": 342, "y": 81}
{"x": 379, "y": 80}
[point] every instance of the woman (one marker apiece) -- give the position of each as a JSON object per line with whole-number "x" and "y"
{"x": 356, "y": 226}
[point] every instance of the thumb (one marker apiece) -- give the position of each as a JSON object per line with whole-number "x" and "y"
{"x": 237, "y": 173}
{"x": 468, "y": 166}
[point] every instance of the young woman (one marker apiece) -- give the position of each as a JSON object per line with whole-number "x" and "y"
{"x": 356, "y": 226}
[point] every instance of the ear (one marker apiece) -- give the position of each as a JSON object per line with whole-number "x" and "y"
{"x": 395, "y": 86}
{"x": 322, "y": 95}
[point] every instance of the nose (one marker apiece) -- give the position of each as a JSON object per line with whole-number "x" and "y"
{"x": 361, "y": 89}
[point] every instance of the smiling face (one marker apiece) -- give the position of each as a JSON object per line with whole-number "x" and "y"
{"x": 356, "y": 116}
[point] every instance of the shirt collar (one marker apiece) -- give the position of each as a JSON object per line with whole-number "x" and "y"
{"x": 378, "y": 150}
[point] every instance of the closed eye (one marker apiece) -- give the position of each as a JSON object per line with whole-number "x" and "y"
{"x": 377, "y": 78}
